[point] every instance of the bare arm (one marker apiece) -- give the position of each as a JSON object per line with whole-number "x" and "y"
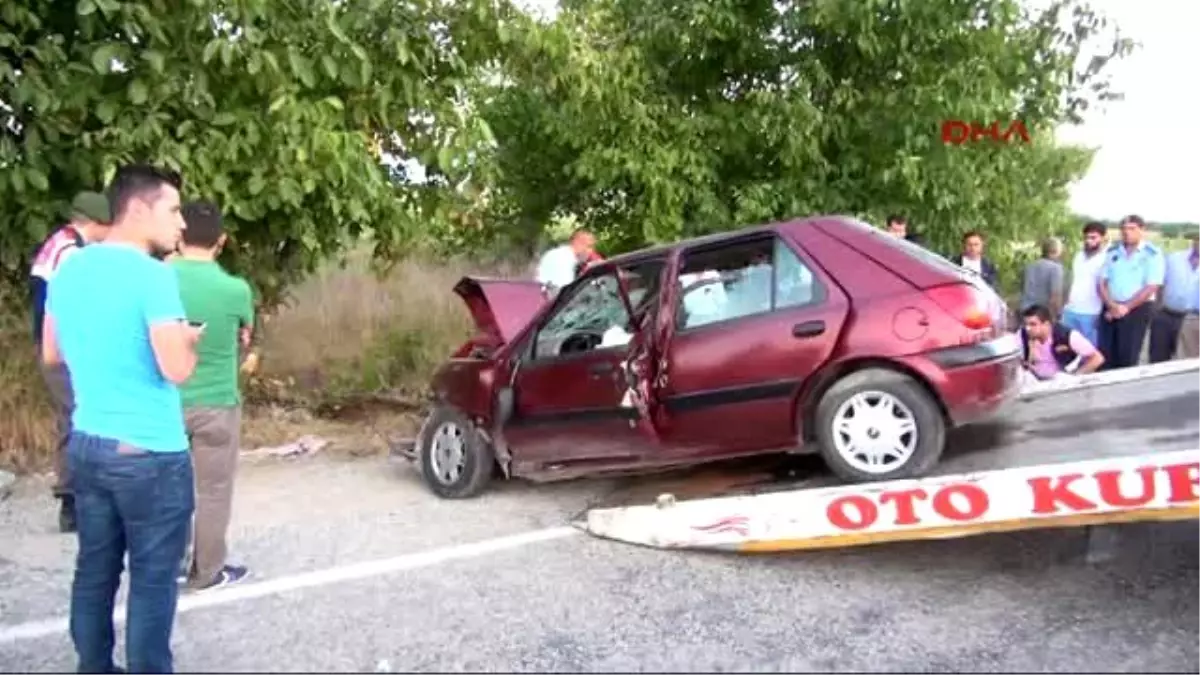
{"x": 247, "y": 332}
{"x": 174, "y": 346}
{"x": 1155, "y": 277}
{"x": 1091, "y": 364}
{"x": 1143, "y": 296}
{"x": 172, "y": 340}
{"x": 1104, "y": 296}
{"x": 51, "y": 355}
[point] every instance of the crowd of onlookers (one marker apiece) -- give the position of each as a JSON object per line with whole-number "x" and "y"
{"x": 1099, "y": 312}
{"x": 141, "y": 335}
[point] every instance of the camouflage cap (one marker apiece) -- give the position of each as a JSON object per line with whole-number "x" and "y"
{"x": 91, "y": 205}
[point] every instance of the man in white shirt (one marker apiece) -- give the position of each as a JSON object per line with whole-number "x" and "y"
{"x": 1174, "y": 326}
{"x": 973, "y": 259}
{"x": 1083, "y": 308}
{"x": 557, "y": 267}
{"x": 1189, "y": 333}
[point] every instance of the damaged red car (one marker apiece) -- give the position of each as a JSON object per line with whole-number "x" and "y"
{"x": 817, "y": 335}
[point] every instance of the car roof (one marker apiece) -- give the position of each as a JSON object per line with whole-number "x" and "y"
{"x": 663, "y": 250}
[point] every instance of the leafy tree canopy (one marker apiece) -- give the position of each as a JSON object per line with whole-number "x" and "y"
{"x": 276, "y": 109}
{"x": 654, "y": 120}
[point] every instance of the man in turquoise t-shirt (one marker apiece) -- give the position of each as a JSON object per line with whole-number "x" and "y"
{"x": 114, "y": 318}
{"x": 211, "y": 397}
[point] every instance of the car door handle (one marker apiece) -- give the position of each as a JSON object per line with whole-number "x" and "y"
{"x": 808, "y": 329}
{"x": 600, "y": 369}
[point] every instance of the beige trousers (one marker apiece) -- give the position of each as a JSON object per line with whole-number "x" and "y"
{"x": 1189, "y": 339}
{"x": 214, "y": 433}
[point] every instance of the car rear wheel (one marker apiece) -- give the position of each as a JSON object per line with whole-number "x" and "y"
{"x": 878, "y": 424}
{"x": 456, "y": 462}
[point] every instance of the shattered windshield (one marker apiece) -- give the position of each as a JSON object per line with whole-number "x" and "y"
{"x": 595, "y": 307}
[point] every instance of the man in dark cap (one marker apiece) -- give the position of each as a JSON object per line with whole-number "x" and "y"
{"x": 88, "y": 220}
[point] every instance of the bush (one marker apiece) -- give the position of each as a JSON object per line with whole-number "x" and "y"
{"x": 346, "y": 334}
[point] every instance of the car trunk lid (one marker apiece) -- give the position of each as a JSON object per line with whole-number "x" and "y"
{"x": 500, "y": 308}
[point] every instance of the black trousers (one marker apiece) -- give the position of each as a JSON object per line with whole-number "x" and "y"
{"x": 1121, "y": 339}
{"x": 1164, "y": 334}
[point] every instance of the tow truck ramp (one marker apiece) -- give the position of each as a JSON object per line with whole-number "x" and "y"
{"x": 1111, "y": 447}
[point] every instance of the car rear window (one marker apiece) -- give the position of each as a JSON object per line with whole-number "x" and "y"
{"x": 912, "y": 250}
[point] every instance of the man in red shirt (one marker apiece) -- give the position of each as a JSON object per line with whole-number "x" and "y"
{"x": 89, "y": 221}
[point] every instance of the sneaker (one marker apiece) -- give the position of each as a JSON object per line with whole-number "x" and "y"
{"x": 229, "y": 575}
{"x": 66, "y": 514}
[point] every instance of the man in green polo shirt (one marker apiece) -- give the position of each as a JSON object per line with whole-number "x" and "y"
{"x": 211, "y": 397}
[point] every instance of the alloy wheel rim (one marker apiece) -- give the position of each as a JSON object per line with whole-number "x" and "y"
{"x": 875, "y": 432}
{"x": 448, "y": 453}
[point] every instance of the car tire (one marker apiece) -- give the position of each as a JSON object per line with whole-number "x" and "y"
{"x": 907, "y": 400}
{"x": 448, "y": 433}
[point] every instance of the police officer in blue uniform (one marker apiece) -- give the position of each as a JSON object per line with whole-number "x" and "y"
{"x": 1133, "y": 273}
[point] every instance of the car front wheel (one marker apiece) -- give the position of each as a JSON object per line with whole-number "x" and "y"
{"x": 876, "y": 425}
{"x": 456, "y": 462}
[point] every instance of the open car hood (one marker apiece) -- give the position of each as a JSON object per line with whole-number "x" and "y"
{"x": 500, "y": 307}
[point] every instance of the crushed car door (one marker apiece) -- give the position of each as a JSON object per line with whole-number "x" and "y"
{"x": 734, "y": 360}
{"x": 645, "y": 365}
{"x": 568, "y": 384}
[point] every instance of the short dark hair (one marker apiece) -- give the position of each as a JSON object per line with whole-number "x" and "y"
{"x": 204, "y": 226}
{"x": 1095, "y": 226}
{"x": 138, "y": 181}
{"x": 972, "y": 233}
{"x": 1040, "y": 311}
{"x": 1135, "y": 219}
{"x": 897, "y": 218}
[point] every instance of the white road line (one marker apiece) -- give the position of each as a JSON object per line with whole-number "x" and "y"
{"x": 38, "y": 629}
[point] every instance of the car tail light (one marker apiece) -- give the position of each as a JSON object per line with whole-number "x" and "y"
{"x": 969, "y": 305}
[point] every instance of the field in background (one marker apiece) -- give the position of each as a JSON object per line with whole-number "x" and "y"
{"x": 1070, "y": 245}
{"x": 349, "y": 356}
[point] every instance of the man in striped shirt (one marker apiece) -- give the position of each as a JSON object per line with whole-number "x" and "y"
{"x": 89, "y": 220}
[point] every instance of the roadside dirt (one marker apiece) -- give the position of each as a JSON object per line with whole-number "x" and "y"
{"x": 357, "y": 432}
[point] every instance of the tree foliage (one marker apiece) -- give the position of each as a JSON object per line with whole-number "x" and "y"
{"x": 651, "y": 121}
{"x": 276, "y": 109}
{"x": 646, "y": 121}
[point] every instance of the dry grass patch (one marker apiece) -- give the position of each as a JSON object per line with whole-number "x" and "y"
{"x": 26, "y": 427}
{"x": 348, "y": 333}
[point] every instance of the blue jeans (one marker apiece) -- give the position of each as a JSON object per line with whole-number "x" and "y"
{"x": 1088, "y": 325}
{"x": 127, "y": 500}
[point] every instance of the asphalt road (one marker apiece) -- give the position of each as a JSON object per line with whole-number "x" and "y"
{"x": 434, "y": 602}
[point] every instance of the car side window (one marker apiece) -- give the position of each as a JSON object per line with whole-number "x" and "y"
{"x": 743, "y": 279}
{"x": 795, "y": 284}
